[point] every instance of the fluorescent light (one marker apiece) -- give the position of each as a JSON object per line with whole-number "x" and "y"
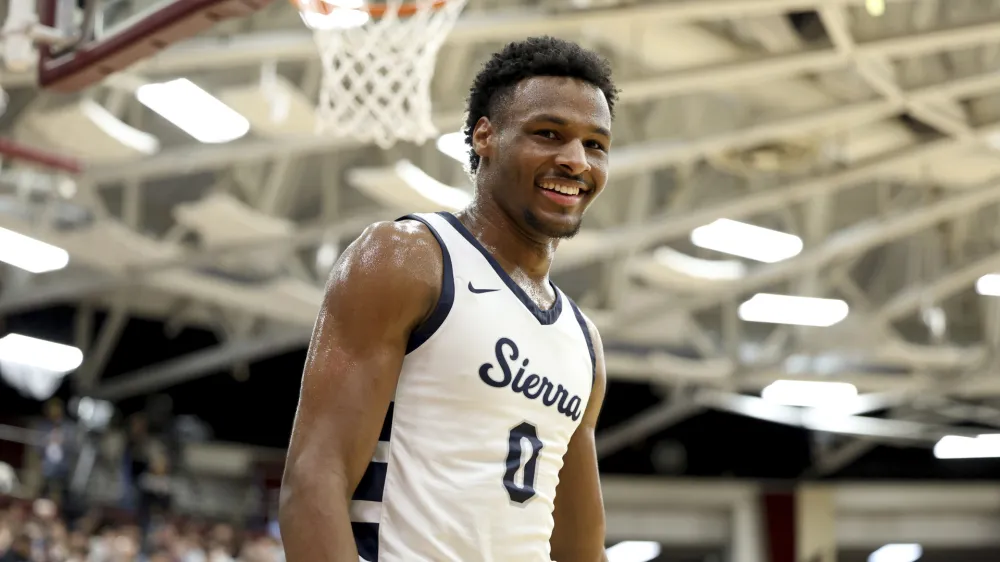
{"x": 875, "y": 7}
{"x": 337, "y": 18}
{"x": 713, "y": 270}
{"x": 453, "y": 145}
{"x": 428, "y": 188}
{"x": 985, "y": 446}
{"x": 989, "y": 285}
{"x": 633, "y": 551}
{"x": 194, "y": 110}
{"x": 811, "y": 394}
{"x": 747, "y": 241}
{"x": 40, "y": 354}
{"x": 897, "y": 553}
{"x": 798, "y": 311}
{"x": 326, "y": 256}
{"x": 29, "y": 254}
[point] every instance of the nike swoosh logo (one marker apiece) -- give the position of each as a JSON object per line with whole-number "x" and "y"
{"x": 479, "y": 291}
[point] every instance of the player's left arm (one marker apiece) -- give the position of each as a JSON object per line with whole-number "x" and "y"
{"x": 578, "y": 535}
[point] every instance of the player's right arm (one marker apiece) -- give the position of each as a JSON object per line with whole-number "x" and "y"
{"x": 383, "y": 286}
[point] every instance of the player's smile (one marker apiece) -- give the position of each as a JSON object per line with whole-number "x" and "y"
{"x": 565, "y": 192}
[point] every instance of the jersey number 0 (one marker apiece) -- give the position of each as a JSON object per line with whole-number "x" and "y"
{"x": 520, "y": 433}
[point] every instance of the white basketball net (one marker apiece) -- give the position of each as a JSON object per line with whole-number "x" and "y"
{"x": 377, "y": 77}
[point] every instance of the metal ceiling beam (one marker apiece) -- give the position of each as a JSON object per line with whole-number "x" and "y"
{"x": 199, "y": 364}
{"x": 98, "y": 354}
{"x": 653, "y": 419}
{"x": 910, "y": 300}
{"x": 78, "y": 284}
{"x": 472, "y": 27}
{"x": 668, "y": 367}
{"x": 835, "y": 460}
{"x": 493, "y": 26}
{"x": 666, "y": 226}
{"x": 878, "y": 73}
{"x": 202, "y": 158}
{"x": 631, "y": 159}
{"x": 848, "y": 242}
{"x": 303, "y": 237}
{"x": 892, "y": 431}
{"x": 674, "y": 225}
{"x": 654, "y": 155}
{"x": 73, "y": 286}
{"x": 640, "y": 369}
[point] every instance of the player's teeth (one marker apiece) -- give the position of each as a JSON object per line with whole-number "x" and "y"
{"x": 561, "y": 188}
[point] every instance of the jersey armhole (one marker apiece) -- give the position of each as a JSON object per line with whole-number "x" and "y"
{"x": 586, "y": 335}
{"x": 424, "y": 331}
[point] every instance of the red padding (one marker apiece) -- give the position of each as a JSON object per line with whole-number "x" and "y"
{"x": 39, "y": 157}
{"x": 779, "y": 510}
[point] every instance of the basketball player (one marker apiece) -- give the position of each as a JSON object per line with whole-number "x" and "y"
{"x": 450, "y": 394}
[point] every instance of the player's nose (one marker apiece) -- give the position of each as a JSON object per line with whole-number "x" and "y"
{"x": 572, "y": 158}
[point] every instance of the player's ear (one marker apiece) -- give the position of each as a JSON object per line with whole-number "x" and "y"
{"x": 483, "y": 137}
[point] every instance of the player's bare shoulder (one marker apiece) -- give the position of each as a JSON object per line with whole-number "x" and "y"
{"x": 398, "y": 261}
{"x": 405, "y": 248}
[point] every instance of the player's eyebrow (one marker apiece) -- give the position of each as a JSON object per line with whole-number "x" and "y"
{"x": 561, "y": 121}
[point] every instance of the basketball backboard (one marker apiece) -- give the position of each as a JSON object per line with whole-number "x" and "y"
{"x": 376, "y": 71}
{"x": 119, "y": 33}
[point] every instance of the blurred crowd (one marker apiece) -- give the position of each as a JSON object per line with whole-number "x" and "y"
{"x": 35, "y": 531}
{"x": 59, "y": 523}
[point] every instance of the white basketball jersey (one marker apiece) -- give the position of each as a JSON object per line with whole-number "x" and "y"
{"x": 491, "y": 391}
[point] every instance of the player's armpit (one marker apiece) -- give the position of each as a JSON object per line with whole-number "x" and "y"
{"x": 578, "y": 535}
{"x": 382, "y": 287}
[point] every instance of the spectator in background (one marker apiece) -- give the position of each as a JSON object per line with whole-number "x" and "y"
{"x": 42, "y": 535}
{"x": 20, "y": 549}
{"x": 138, "y": 447}
{"x": 156, "y": 490}
{"x": 57, "y": 448}
{"x": 8, "y": 479}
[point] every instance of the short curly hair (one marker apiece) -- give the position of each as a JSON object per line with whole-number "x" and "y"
{"x": 535, "y": 56}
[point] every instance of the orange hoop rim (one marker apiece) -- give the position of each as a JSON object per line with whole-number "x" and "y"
{"x": 374, "y": 11}
{"x": 405, "y": 10}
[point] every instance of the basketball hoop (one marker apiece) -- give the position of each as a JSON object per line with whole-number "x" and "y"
{"x": 378, "y": 62}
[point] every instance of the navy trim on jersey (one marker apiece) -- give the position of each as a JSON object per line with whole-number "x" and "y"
{"x": 386, "y": 432}
{"x": 371, "y": 488}
{"x": 545, "y": 317}
{"x": 586, "y": 334}
{"x": 372, "y": 483}
{"x": 424, "y": 331}
{"x": 366, "y": 539}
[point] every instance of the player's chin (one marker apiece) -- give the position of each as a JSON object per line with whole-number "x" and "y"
{"x": 563, "y": 223}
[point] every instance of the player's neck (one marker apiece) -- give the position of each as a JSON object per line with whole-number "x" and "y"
{"x": 512, "y": 246}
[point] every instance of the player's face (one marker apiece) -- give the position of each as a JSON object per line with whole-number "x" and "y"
{"x": 550, "y": 153}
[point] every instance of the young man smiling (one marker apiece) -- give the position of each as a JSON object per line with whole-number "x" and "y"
{"x": 451, "y": 391}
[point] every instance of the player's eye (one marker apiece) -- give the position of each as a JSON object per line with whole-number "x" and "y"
{"x": 547, "y": 133}
{"x": 595, "y": 144}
